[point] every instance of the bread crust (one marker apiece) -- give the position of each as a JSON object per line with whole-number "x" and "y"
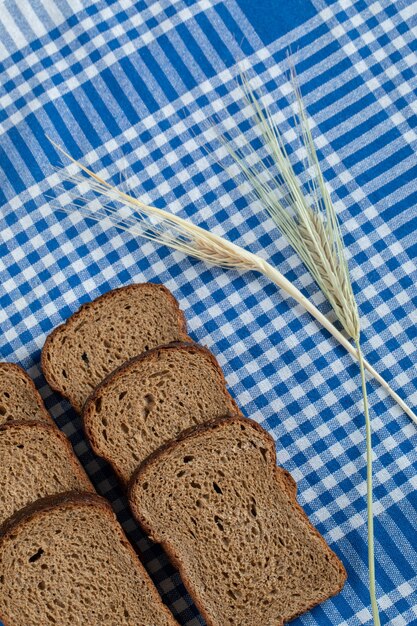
{"x": 47, "y": 503}
{"x": 109, "y": 295}
{"x": 281, "y": 475}
{"x": 25, "y": 376}
{"x": 185, "y": 346}
{"x": 74, "y": 499}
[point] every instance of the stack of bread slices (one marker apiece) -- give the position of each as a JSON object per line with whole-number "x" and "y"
{"x": 201, "y": 479}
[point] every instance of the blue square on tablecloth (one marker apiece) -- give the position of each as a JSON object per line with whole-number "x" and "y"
{"x": 273, "y": 18}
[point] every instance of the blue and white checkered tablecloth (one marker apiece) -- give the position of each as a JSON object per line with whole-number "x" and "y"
{"x": 128, "y": 86}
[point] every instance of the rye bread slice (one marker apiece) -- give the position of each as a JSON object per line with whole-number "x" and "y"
{"x": 229, "y": 519}
{"x": 150, "y": 400}
{"x": 19, "y": 398}
{"x": 65, "y": 560}
{"x": 105, "y": 333}
{"x": 36, "y": 460}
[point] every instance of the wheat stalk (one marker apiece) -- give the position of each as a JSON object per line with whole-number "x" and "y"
{"x": 309, "y": 222}
{"x": 313, "y": 232}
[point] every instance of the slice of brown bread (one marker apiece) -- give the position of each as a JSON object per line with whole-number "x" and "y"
{"x": 105, "y": 333}
{"x": 229, "y": 519}
{"x": 36, "y": 460}
{"x": 19, "y": 398}
{"x": 65, "y": 560}
{"x": 150, "y": 400}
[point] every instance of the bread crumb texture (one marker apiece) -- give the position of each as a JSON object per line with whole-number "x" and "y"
{"x": 19, "y": 398}
{"x": 36, "y": 460}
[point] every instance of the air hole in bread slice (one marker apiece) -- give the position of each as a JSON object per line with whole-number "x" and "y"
{"x": 35, "y": 557}
{"x": 217, "y": 488}
{"x": 264, "y": 453}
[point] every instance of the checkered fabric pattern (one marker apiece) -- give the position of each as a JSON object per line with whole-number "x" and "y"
{"x": 128, "y": 86}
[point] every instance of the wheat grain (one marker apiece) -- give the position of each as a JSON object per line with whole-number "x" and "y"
{"x": 317, "y": 253}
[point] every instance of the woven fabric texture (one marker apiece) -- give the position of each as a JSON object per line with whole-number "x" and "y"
{"x": 130, "y": 88}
